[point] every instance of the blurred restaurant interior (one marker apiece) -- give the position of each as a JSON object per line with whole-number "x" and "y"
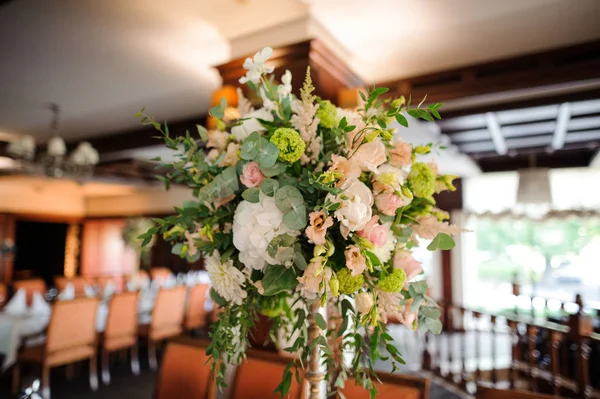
{"x": 520, "y": 81}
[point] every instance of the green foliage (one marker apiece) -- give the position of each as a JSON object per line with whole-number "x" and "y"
{"x": 441, "y": 241}
{"x": 278, "y": 279}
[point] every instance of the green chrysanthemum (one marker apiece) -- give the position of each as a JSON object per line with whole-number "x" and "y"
{"x": 290, "y": 144}
{"x": 327, "y": 114}
{"x": 393, "y": 282}
{"x": 422, "y": 180}
{"x": 348, "y": 284}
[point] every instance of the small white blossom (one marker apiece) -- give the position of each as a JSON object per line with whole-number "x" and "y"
{"x": 285, "y": 88}
{"x": 256, "y": 67}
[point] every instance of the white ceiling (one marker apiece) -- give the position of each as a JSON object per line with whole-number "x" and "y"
{"x": 104, "y": 60}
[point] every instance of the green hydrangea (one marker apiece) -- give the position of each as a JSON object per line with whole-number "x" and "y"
{"x": 348, "y": 284}
{"x": 393, "y": 282}
{"x": 290, "y": 144}
{"x": 422, "y": 180}
{"x": 327, "y": 114}
{"x": 273, "y": 306}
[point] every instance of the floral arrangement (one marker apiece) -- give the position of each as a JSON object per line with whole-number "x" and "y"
{"x": 299, "y": 201}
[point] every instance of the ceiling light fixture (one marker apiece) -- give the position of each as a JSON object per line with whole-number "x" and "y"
{"x": 54, "y": 162}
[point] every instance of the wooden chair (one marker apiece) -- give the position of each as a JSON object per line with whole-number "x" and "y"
{"x": 30, "y": 287}
{"x": 3, "y": 295}
{"x": 160, "y": 273}
{"x": 195, "y": 314}
{"x": 493, "y": 393}
{"x": 184, "y": 372}
{"x": 79, "y": 283}
{"x": 393, "y": 386}
{"x": 71, "y": 337}
{"x": 120, "y": 332}
{"x": 102, "y": 282}
{"x": 166, "y": 321}
{"x": 258, "y": 376}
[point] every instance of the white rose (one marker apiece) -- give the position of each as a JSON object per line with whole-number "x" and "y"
{"x": 370, "y": 155}
{"x": 251, "y": 124}
{"x": 364, "y": 302}
{"x": 355, "y": 212}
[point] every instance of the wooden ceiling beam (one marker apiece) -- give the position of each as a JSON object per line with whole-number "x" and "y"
{"x": 572, "y": 64}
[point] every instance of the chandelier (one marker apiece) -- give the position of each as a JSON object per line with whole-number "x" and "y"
{"x": 55, "y": 162}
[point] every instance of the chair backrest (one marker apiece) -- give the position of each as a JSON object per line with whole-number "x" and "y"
{"x": 393, "y": 386}
{"x": 160, "y": 273}
{"x": 169, "y": 309}
{"x": 102, "y": 281}
{"x": 72, "y": 325}
{"x": 3, "y": 295}
{"x": 258, "y": 376}
{"x": 184, "y": 372}
{"x": 492, "y": 393}
{"x": 30, "y": 287}
{"x": 79, "y": 283}
{"x": 195, "y": 315}
{"x": 121, "y": 321}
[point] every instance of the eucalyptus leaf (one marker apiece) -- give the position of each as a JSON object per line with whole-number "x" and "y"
{"x": 269, "y": 186}
{"x": 430, "y": 312}
{"x": 295, "y": 219}
{"x": 420, "y": 287}
{"x": 267, "y": 153}
{"x": 274, "y": 170}
{"x": 434, "y": 325}
{"x": 299, "y": 260}
{"x": 251, "y": 195}
{"x": 442, "y": 241}
{"x": 288, "y": 198}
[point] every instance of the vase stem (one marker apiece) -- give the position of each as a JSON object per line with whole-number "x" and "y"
{"x": 314, "y": 374}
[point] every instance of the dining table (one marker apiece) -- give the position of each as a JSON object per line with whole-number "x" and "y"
{"x": 27, "y": 327}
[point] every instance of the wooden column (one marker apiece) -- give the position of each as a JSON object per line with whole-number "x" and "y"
{"x": 7, "y": 236}
{"x": 449, "y": 201}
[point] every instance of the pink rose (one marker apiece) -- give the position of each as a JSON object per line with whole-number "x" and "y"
{"x": 318, "y": 227}
{"x": 374, "y": 232}
{"x": 355, "y": 261}
{"x": 405, "y": 261}
{"x": 388, "y": 202}
{"x": 370, "y": 155}
{"x": 251, "y": 175}
{"x": 401, "y": 154}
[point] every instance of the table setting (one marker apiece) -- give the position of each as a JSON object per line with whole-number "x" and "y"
{"x": 24, "y": 325}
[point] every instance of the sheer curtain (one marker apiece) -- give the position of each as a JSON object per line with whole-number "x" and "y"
{"x": 575, "y": 196}
{"x": 572, "y": 189}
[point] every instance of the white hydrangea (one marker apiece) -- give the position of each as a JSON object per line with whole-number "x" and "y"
{"x": 226, "y": 279}
{"x": 384, "y": 252}
{"x": 254, "y": 226}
